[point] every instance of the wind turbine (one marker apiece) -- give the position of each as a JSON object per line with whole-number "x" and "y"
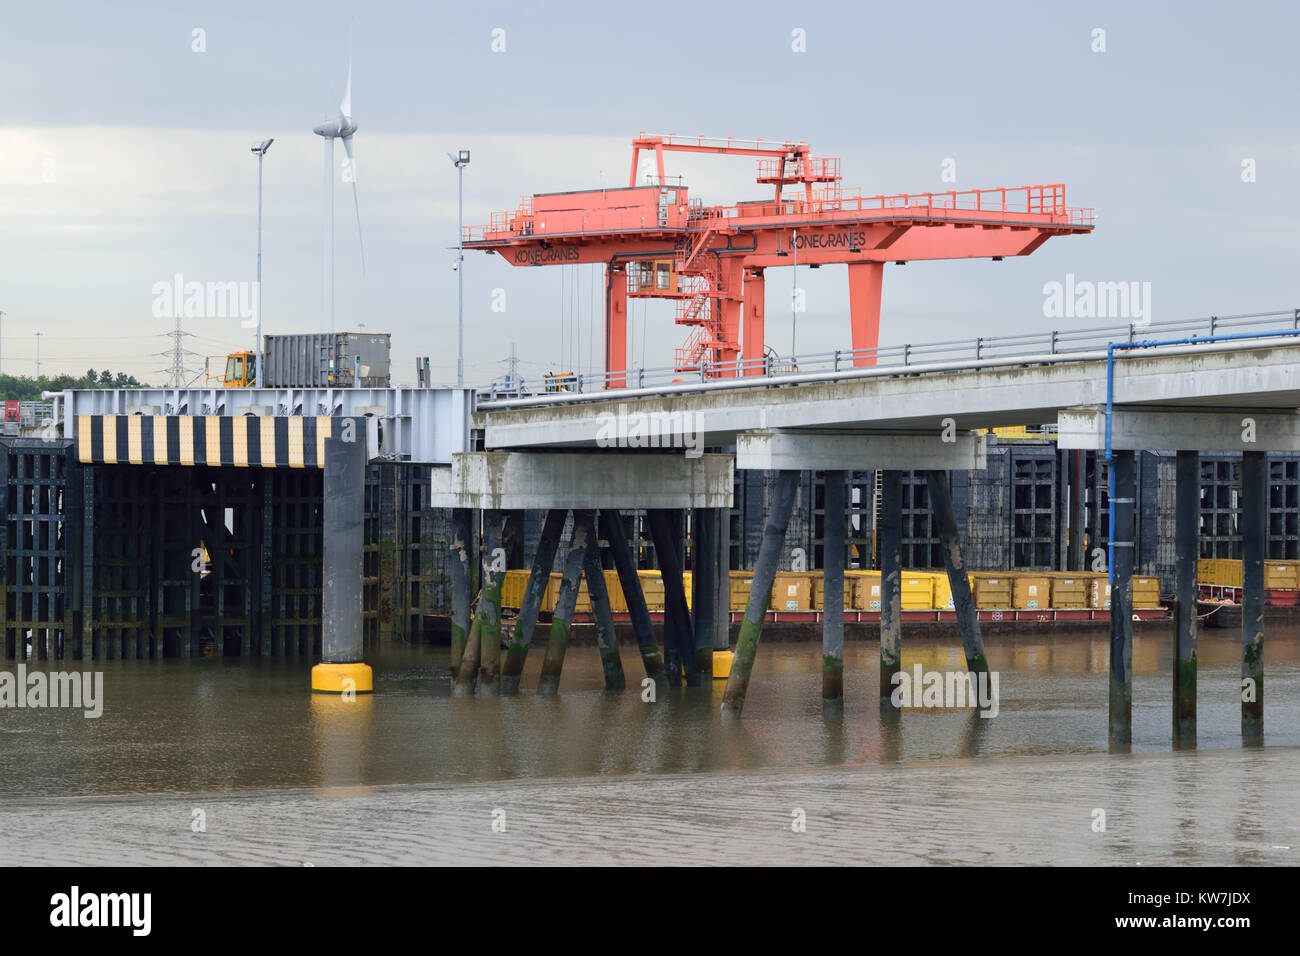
{"x": 340, "y": 127}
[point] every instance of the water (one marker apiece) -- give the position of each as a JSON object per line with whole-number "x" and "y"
{"x": 411, "y": 775}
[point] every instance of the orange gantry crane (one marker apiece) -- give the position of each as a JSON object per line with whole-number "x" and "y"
{"x": 711, "y": 260}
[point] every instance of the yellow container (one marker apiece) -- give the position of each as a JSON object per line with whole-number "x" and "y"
{"x": 866, "y": 589}
{"x": 1099, "y": 593}
{"x": 513, "y": 587}
{"x": 1207, "y": 571}
{"x": 992, "y": 589}
{"x": 1146, "y": 592}
{"x": 1070, "y": 590}
{"x": 614, "y": 587}
{"x": 942, "y": 590}
{"x": 652, "y": 586}
{"x": 819, "y": 592}
{"x": 1032, "y": 592}
{"x": 1225, "y": 572}
{"x": 741, "y": 581}
{"x": 792, "y": 591}
{"x": 918, "y": 591}
{"x": 1281, "y": 575}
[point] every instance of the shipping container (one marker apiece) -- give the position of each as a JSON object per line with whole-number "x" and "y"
{"x": 792, "y": 591}
{"x": 1146, "y": 592}
{"x": 819, "y": 592}
{"x": 1070, "y": 589}
{"x": 1281, "y": 575}
{"x": 1031, "y": 592}
{"x": 327, "y": 360}
{"x": 992, "y": 589}
{"x": 1099, "y": 593}
{"x": 918, "y": 591}
{"x": 866, "y": 589}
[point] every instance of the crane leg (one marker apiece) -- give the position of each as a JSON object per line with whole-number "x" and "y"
{"x": 864, "y": 308}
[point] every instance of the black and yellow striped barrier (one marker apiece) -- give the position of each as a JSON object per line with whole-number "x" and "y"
{"x": 243, "y": 441}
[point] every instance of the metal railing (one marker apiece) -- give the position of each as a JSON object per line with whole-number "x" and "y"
{"x": 773, "y": 370}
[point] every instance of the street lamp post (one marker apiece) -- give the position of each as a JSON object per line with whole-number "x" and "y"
{"x": 38, "y": 355}
{"x": 260, "y": 149}
{"x": 460, "y": 160}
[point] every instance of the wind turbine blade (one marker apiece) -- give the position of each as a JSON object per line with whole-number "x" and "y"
{"x": 360, "y": 242}
{"x": 347, "y": 145}
{"x": 345, "y": 107}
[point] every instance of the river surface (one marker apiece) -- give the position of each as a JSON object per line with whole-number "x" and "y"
{"x": 229, "y": 761}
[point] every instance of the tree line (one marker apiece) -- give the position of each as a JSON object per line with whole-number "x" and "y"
{"x": 25, "y": 388}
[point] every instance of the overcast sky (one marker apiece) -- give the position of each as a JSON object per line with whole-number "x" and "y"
{"x": 124, "y": 159}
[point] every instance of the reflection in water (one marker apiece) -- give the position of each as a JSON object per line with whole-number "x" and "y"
{"x": 206, "y": 725}
{"x": 251, "y": 737}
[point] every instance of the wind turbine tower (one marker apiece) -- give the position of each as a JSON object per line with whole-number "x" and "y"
{"x": 340, "y": 127}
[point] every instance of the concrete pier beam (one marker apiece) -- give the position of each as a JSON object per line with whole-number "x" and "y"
{"x": 1254, "y": 543}
{"x": 1187, "y": 521}
{"x": 963, "y": 601}
{"x": 775, "y": 450}
{"x": 760, "y": 593}
{"x": 889, "y": 545}
{"x": 586, "y": 480}
{"x": 539, "y": 578}
{"x": 648, "y": 646}
{"x": 1121, "y": 604}
{"x": 606, "y": 634}
{"x": 833, "y": 596}
{"x": 342, "y": 669}
{"x": 548, "y": 684}
{"x": 1135, "y": 429}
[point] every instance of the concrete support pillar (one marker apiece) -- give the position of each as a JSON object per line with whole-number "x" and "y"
{"x": 499, "y": 531}
{"x": 460, "y": 584}
{"x": 642, "y": 626}
{"x": 1078, "y": 507}
{"x": 722, "y": 636}
{"x": 1121, "y": 602}
{"x": 704, "y": 584}
{"x": 1187, "y": 520}
{"x": 265, "y": 612}
{"x": 963, "y": 601}
{"x": 675, "y": 610}
{"x": 561, "y": 621}
{"x": 606, "y": 634}
{"x": 833, "y": 596}
{"x": 1254, "y": 544}
{"x": 889, "y": 545}
{"x": 343, "y": 512}
{"x": 760, "y": 594}
{"x": 538, "y": 580}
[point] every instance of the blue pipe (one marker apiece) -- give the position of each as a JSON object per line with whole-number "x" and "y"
{"x": 1110, "y": 406}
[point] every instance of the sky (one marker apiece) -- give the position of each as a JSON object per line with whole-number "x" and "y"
{"x": 125, "y": 161}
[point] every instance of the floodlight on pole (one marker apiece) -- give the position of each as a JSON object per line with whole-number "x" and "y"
{"x": 260, "y": 149}
{"x": 460, "y": 160}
